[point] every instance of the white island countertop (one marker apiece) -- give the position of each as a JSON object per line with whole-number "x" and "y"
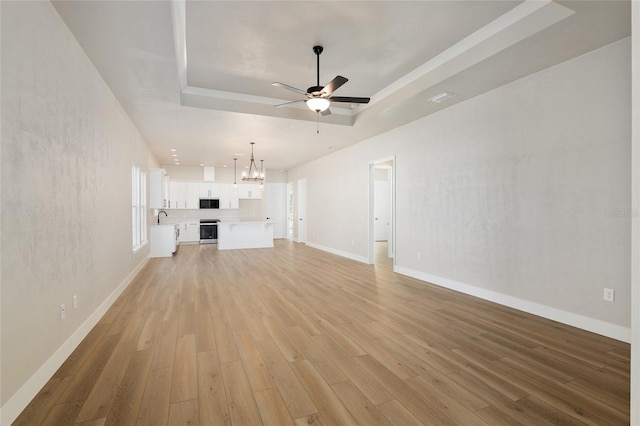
{"x": 242, "y": 234}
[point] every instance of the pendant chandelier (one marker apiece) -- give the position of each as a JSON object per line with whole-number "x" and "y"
{"x": 253, "y": 175}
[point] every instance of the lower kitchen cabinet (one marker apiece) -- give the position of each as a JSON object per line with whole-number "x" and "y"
{"x": 163, "y": 240}
{"x": 189, "y": 232}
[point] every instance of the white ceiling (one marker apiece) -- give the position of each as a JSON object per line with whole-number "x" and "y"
{"x": 196, "y": 76}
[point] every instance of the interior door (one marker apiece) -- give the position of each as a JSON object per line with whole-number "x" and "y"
{"x": 275, "y": 207}
{"x": 302, "y": 210}
{"x": 381, "y": 209}
{"x": 289, "y": 211}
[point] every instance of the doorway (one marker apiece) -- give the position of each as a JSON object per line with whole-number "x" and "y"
{"x": 289, "y": 208}
{"x": 382, "y": 210}
{"x": 302, "y": 210}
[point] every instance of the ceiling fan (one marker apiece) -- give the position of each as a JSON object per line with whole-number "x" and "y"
{"x": 318, "y": 98}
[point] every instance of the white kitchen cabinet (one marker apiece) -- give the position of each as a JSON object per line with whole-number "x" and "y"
{"x": 177, "y": 194}
{"x": 228, "y": 196}
{"x": 163, "y": 240}
{"x": 250, "y": 191}
{"x": 193, "y": 195}
{"x": 209, "y": 190}
{"x": 158, "y": 189}
{"x": 184, "y": 194}
{"x": 193, "y": 232}
{"x": 189, "y": 232}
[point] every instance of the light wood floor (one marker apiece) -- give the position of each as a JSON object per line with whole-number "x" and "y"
{"x": 293, "y": 335}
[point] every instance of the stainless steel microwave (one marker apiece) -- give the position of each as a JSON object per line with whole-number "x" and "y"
{"x": 209, "y": 203}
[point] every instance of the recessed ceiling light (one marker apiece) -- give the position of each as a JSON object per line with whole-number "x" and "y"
{"x": 177, "y": 164}
{"x": 224, "y": 165}
{"x": 444, "y": 96}
{"x": 173, "y": 150}
{"x": 201, "y": 165}
{"x": 174, "y": 155}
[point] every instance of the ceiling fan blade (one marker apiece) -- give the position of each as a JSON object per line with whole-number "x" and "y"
{"x": 334, "y": 84}
{"x": 326, "y": 112}
{"x": 288, "y": 103}
{"x": 349, "y": 100}
{"x": 287, "y": 87}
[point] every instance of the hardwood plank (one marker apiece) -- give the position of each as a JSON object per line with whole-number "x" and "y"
{"x": 164, "y": 350}
{"x": 242, "y": 405}
{"x": 273, "y": 410}
{"x": 44, "y": 401}
{"x": 99, "y": 401}
{"x": 369, "y": 386}
{"x": 254, "y": 365}
{"x": 312, "y": 420}
{"x": 225, "y": 342}
{"x": 62, "y": 414}
{"x": 322, "y": 395}
{"x": 83, "y": 383}
{"x": 126, "y": 404}
{"x": 205, "y": 337}
{"x": 362, "y": 409}
{"x": 154, "y": 409}
{"x": 420, "y": 407}
{"x": 212, "y": 400}
{"x": 184, "y": 385}
{"x": 279, "y": 336}
{"x": 149, "y": 331}
{"x": 398, "y": 414}
{"x": 184, "y": 413}
{"x": 187, "y": 318}
{"x": 457, "y": 411}
{"x": 293, "y": 394}
{"x": 323, "y": 364}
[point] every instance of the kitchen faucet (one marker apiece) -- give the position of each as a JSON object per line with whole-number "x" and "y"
{"x": 165, "y": 215}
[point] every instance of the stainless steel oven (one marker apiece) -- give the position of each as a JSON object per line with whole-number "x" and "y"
{"x": 208, "y": 231}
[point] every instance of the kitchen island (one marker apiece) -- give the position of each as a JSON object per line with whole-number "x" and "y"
{"x": 245, "y": 234}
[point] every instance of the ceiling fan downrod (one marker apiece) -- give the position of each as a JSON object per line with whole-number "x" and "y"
{"x": 318, "y": 50}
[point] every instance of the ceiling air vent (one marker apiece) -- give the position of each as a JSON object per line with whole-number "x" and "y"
{"x": 442, "y": 97}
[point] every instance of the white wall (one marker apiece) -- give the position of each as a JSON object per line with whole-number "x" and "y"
{"x": 518, "y": 195}
{"x": 67, "y": 152}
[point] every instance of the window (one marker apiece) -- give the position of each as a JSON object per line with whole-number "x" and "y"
{"x": 138, "y": 207}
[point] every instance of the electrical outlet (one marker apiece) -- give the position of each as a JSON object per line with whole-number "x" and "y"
{"x": 75, "y": 301}
{"x": 419, "y": 255}
{"x": 62, "y": 312}
{"x": 609, "y": 294}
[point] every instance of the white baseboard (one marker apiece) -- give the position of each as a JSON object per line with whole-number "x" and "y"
{"x": 348, "y": 255}
{"x": 585, "y": 323}
{"x": 19, "y": 401}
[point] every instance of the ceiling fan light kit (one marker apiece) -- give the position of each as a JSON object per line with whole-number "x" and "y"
{"x": 318, "y": 104}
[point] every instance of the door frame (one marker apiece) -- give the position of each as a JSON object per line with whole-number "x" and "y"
{"x": 392, "y": 212}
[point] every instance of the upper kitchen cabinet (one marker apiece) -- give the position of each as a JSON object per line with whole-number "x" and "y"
{"x": 184, "y": 194}
{"x": 250, "y": 191}
{"x": 209, "y": 190}
{"x": 158, "y": 189}
{"x": 229, "y": 196}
